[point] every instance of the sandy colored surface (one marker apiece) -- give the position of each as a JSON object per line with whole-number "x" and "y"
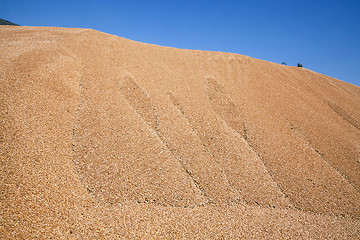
{"x": 103, "y": 137}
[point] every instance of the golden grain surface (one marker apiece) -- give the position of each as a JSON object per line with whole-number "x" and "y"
{"x": 103, "y": 138}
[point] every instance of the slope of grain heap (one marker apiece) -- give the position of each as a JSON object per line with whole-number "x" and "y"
{"x": 104, "y": 137}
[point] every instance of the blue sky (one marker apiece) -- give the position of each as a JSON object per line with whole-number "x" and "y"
{"x": 323, "y": 35}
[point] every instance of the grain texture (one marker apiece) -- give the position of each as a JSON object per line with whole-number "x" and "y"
{"x": 103, "y": 137}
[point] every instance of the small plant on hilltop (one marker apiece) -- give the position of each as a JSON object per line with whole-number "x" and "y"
{"x": 299, "y": 65}
{"x": 284, "y": 63}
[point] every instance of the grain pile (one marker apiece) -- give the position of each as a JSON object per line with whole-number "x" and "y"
{"x": 103, "y": 137}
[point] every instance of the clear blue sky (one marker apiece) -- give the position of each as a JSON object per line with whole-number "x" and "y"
{"x": 323, "y": 35}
